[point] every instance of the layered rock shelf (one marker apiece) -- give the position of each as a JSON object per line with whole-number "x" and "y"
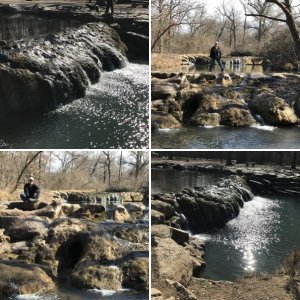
{"x": 39, "y": 75}
{"x": 91, "y": 246}
{"x": 201, "y": 208}
{"x": 235, "y": 99}
{"x": 261, "y": 179}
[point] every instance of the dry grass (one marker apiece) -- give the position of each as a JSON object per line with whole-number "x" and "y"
{"x": 15, "y": 196}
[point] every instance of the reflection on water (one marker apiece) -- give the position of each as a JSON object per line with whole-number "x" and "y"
{"x": 260, "y": 137}
{"x": 169, "y": 180}
{"x": 205, "y": 68}
{"x": 263, "y": 234}
{"x": 113, "y": 114}
{"x": 15, "y": 27}
{"x": 92, "y": 294}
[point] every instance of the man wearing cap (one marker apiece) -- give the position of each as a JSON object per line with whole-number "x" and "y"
{"x": 215, "y": 55}
{"x": 31, "y": 191}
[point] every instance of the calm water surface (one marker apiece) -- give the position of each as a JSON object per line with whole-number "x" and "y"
{"x": 264, "y": 233}
{"x": 260, "y": 137}
{"x": 16, "y": 27}
{"x": 169, "y": 180}
{"x": 113, "y": 114}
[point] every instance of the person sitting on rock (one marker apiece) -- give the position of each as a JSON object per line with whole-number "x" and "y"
{"x": 31, "y": 191}
{"x": 215, "y": 55}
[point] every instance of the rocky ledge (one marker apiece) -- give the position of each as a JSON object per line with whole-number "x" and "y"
{"x": 42, "y": 243}
{"x": 226, "y": 99}
{"x": 43, "y": 73}
{"x": 132, "y": 24}
{"x": 262, "y": 179}
{"x": 201, "y": 208}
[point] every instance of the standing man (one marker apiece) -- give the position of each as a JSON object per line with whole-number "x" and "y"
{"x": 31, "y": 191}
{"x": 215, "y": 55}
{"x": 109, "y": 5}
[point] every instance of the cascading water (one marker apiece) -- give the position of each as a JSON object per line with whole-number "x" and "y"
{"x": 52, "y": 71}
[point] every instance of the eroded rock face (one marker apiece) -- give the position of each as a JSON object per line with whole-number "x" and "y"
{"x": 96, "y": 254}
{"x": 21, "y": 278}
{"x": 163, "y": 120}
{"x": 203, "y": 208}
{"x": 274, "y": 109}
{"x": 56, "y": 69}
{"x": 176, "y": 259}
{"x": 229, "y": 100}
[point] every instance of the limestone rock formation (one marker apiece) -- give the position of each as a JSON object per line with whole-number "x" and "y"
{"x": 274, "y": 110}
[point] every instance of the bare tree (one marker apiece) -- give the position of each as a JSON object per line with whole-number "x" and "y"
{"x": 31, "y": 157}
{"x": 288, "y": 17}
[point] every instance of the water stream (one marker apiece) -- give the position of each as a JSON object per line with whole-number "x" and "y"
{"x": 263, "y": 234}
{"x": 113, "y": 114}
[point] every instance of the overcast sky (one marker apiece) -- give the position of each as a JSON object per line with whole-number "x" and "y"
{"x": 212, "y": 4}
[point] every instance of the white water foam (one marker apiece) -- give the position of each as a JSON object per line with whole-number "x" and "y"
{"x": 168, "y": 129}
{"x": 264, "y": 127}
{"x": 103, "y": 292}
{"x": 34, "y": 297}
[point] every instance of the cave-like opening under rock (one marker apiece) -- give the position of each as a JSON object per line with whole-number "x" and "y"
{"x": 70, "y": 253}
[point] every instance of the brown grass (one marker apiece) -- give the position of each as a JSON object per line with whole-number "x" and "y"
{"x": 15, "y": 196}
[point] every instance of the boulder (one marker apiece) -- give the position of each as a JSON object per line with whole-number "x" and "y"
{"x": 121, "y": 214}
{"x": 274, "y": 110}
{"x": 136, "y": 274}
{"x": 163, "y": 207}
{"x": 181, "y": 237}
{"x": 157, "y": 217}
{"x": 27, "y": 206}
{"x": 167, "y": 259}
{"x": 238, "y": 117}
{"x": 92, "y": 275}
{"x": 162, "y": 89}
{"x": 163, "y": 120}
{"x": 24, "y": 227}
{"x": 224, "y": 79}
{"x": 200, "y": 118}
{"x": 18, "y": 277}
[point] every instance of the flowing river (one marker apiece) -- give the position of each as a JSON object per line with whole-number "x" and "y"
{"x": 113, "y": 114}
{"x": 263, "y": 234}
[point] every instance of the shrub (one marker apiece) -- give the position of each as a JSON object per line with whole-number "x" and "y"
{"x": 242, "y": 53}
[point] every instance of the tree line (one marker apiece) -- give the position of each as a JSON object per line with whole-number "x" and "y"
{"x": 259, "y": 26}
{"x": 64, "y": 170}
{"x": 281, "y": 158}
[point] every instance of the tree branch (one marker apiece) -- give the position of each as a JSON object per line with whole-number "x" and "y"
{"x": 266, "y": 17}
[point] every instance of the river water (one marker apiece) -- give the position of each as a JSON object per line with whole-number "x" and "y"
{"x": 72, "y": 294}
{"x": 17, "y": 26}
{"x": 258, "y": 137}
{"x": 170, "y": 180}
{"x": 263, "y": 234}
{"x": 113, "y": 114}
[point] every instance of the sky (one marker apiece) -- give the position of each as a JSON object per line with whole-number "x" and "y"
{"x": 212, "y": 4}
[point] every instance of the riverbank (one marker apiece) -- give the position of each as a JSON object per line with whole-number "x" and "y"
{"x": 261, "y": 178}
{"x": 83, "y": 245}
{"x": 201, "y": 210}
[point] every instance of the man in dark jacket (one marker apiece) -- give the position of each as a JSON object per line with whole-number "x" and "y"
{"x": 31, "y": 191}
{"x": 215, "y": 55}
